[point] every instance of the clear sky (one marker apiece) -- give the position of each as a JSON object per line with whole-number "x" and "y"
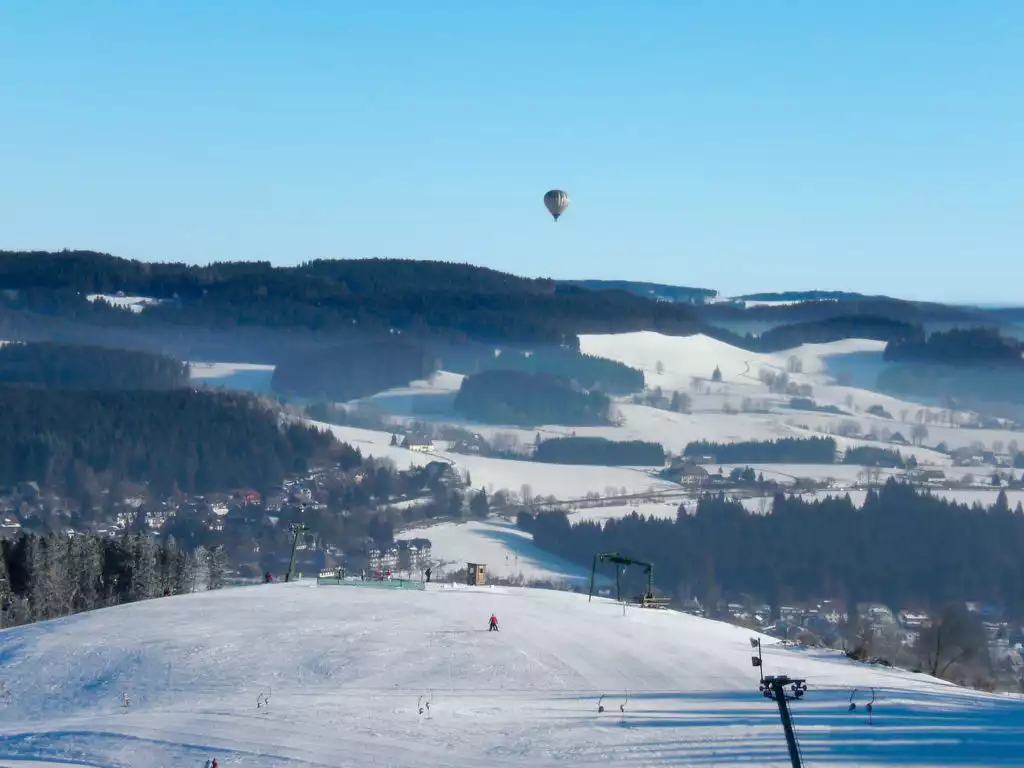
{"x": 874, "y": 146}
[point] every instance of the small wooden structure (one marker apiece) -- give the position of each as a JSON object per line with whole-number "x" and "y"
{"x": 476, "y": 574}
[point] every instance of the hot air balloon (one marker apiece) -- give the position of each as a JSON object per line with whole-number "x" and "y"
{"x": 556, "y": 201}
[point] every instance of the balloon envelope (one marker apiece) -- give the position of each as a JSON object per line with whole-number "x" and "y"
{"x": 556, "y": 201}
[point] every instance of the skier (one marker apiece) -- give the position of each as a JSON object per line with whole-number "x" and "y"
{"x": 427, "y": 572}
{"x": 268, "y": 577}
{"x": 494, "y": 624}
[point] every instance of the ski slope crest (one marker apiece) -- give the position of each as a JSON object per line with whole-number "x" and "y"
{"x": 305, "y": 675}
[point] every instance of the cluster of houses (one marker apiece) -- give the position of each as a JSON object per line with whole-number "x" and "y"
{"x": 405, "y": 556}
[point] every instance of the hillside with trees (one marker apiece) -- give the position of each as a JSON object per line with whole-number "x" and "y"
{"x": 358, "y": 296}
{"x": 831, "y": 329}
{"x": 192, "y": 441}
{"x": 658, "y": 291}
{"x": 529, "y": 399}
{"x": 263, "y": 312}
{"x": 346, "y": 372}
{"x": 958, "y": 347}
{"x": 833, "y": 548}
{"x": 46, "y": 577}
{"x": 787, "y": 450}
{"x": 588, "y": 371}
{"x": 70, "y": 366}
{"x": 914, "y": 312}
{"x": 600, "y": 451}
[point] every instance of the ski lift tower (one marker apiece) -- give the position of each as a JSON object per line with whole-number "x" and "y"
{"x": 296, "y": 529}
{"x": 774, "y": 687}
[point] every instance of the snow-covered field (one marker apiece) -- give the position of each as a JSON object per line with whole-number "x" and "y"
{"x": 349, "y": 669}
{"x": 558, "y": 480}
{"x": 675, "y": 363}
{"x": 222, "y": 370}
{"x": 507, "y": 551}
{"x": 134, "y": 303}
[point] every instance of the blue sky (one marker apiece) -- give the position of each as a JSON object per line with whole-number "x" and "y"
{"x": 742, "y": 146}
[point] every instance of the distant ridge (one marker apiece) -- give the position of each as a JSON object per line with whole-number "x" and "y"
{"x": 657, "y": 291}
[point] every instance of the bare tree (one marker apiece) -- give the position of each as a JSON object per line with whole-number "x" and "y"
{"x": 794, "y": 364}
{"x": 506, "y": 442}
{"x": 956, "y": 637}
{"x": 997, "y": 446}
{"x": 526, "y": 491}
{"x": 659, "y": 368}
{"x": 904, "y": 413}
{"x": 1013, "y": 448}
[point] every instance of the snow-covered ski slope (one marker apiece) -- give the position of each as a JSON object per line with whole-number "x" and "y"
{"x": 347, "y": 669}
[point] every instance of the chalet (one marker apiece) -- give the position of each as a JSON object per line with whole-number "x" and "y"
{"x": 692, "y": 474}
{"x": 421, "y": 444}
{"x": 686, "y": 474}
{"x": 933, "y": 476}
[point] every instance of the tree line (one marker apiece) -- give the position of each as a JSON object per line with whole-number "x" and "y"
{"x": 73, "y": 366}
{"x": 787, "y": 450}
{"x": 918, "y": 313}
{"x": 904, "y": 547}
{"x": 49, "y": 576}
{"x": 600, "y": 451}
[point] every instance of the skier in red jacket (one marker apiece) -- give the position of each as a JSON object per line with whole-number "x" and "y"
{"x": 494, "y": 624}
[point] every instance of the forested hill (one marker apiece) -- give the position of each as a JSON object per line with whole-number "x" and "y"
{"x": 254, "y": 306}
{"x": 902, "y": 547}
{"x": 366, "y": 297}
{"x": 72, "y": 366}
{"x": 179, "y": 440}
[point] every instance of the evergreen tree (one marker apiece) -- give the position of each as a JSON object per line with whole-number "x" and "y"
{"x": 144, "y": 567}
{"x": 479, "y": 506}
{"x": 216, "y": 565}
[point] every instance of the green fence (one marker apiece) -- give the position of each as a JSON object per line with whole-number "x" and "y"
{"x": 336, "y": 581}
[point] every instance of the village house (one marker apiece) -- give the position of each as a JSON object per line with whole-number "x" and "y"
{"x": 422, "y": 444}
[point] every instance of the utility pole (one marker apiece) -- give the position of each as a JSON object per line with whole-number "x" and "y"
{"x": 774, "y": 687}
{"x": 296, "y": 529}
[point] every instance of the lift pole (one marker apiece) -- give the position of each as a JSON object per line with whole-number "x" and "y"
{"x": 774, "y": 687}
{"x": 296, "y": 529}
